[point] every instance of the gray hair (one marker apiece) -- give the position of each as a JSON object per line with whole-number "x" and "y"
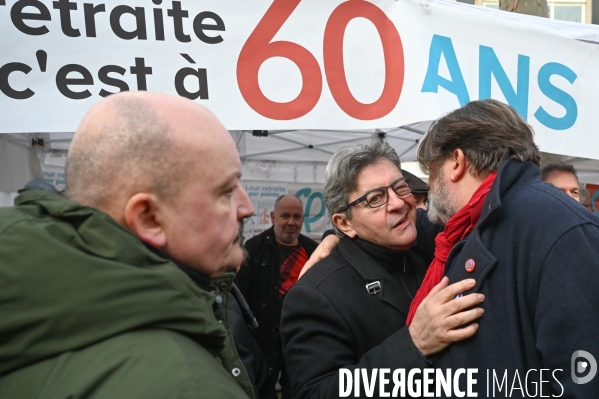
{"x": 488, "y": 131}
{"x": 557, "y": 167}
{"x": 344, "y": 167}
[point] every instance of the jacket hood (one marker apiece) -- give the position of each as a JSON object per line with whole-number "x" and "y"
{"x": 71, "y": 276}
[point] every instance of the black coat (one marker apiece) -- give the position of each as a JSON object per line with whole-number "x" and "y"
{"x": 330, "y": 321}
{"x": 241, "y": 324}
{"x": 536, "y": 256}
{"x": 259, "y": 280}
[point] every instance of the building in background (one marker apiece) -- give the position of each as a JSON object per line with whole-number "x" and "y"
{"x": 584, "y": 11}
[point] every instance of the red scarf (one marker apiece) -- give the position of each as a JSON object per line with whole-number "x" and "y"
{"x": 458, "y": 227}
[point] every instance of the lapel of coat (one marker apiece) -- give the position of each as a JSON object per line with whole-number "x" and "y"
{"x": 473, "y": 252}
{"x": 392, "y": 293}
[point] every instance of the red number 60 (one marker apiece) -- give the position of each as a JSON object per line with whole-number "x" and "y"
{"x": 258, "y": 49}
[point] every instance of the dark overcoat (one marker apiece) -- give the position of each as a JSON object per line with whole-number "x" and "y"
{"x": 535, "y": 253}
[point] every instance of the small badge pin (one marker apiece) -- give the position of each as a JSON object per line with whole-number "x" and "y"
{"x": 470, "y": 265}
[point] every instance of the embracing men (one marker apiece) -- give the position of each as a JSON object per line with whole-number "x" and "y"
{"x": 350, "y": 310}
{"x": 531, "y": 250}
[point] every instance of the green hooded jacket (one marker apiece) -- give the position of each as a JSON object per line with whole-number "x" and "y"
{"x": 87, "y": 311}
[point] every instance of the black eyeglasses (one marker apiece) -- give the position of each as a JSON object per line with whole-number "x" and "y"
{"x": 380, "y": 196}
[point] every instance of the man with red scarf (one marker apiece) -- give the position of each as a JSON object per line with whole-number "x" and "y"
{"x": 532, "y": 251}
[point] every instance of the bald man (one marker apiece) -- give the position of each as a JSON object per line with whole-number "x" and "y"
{"x": 275, "y": 259}
{"x": 120, "y": 291}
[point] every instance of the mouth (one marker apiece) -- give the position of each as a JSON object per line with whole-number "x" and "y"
{"x": 402, "y": 222}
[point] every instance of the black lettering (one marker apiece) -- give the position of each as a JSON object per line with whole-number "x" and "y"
{"x": 140, "y": 22}
{"x": 200, "y": 74}
{"x": 158, "y": 24}
{"x": 42, "y": 59}
{"x": 90, "y": 12}
{"x": 140, "y": 71}
{"x": 104, "y": 78}
{"x": 6, "y": 88}
{"x": 178, "y": 14}
{"x": 63, "y": 81}
{"x": 65, "y": 7}
{"x": 199, "y": 27}
{"x": 158, "y": 21}
{"x": 18, "y": 16}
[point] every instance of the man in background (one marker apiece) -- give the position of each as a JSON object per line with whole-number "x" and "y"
{"x": 419, "y": 190}
{"x": 562, "y": 176}
{"x": 275, "y": 259}
{"x": 121, "y": 289}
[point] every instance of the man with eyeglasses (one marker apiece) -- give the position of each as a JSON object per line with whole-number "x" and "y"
{"x": 350, "y": 311}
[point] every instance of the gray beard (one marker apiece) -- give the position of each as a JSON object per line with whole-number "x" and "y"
{"x": 440, "y": 208}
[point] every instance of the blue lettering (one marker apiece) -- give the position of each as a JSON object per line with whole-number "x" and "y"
{"x": 489, "y": 64}
{"x": 557, "y": 95}
{"x": 442, "y": 45}
{"x": 319, "y": 214}
{"x": 307, "y": 192}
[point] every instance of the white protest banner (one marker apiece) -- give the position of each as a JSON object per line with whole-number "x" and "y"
{"x": 293, "y": 64}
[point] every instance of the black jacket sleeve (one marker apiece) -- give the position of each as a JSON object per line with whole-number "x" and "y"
{"x": 318, "y": 341}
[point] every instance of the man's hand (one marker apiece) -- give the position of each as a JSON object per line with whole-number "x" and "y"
{"x": 439, "y": 318}
{"x": 322, "y": 251}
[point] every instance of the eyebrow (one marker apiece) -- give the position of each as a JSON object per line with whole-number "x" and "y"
{"x": 236, "y": 176}
{"x": 377, "y": 187}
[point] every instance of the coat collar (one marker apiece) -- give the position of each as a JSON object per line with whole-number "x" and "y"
{"x": 511, "y": 175}
{"x": 391, "y": 292}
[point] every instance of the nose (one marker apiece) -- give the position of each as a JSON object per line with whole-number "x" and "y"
{"x": 395, "y": 201}
{"x": 245, "y": 208}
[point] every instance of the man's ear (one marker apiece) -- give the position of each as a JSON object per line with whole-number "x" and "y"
{"x": 459, "y": 166}
{"x": 143, "y": 219}
{"x": 272, "y": 217}
{"x": 344, "y": 224}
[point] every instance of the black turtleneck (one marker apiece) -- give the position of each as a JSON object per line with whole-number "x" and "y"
{"x": 395, "y": 262}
